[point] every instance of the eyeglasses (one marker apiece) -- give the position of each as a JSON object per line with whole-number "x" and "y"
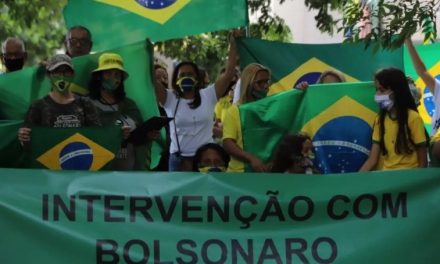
{"x": 82, "y": 42}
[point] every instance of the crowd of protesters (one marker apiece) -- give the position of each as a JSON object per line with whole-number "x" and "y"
{"x": 204, "y": 133}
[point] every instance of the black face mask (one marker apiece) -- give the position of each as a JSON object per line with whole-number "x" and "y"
{"x": 14, "y": 64}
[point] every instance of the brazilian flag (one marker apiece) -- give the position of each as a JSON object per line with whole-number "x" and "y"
{"x": 115, "y": 23}
{"x": 338, "y": 117}
{"x": 431, "y": 58}
{"x": 88, "y": 148}
{"x": 294, "y": 63}
{"x": 19, "y": 89}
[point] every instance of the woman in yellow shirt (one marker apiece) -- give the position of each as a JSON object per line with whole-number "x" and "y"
{"x": 398, "y": 132}
{"x": 255, "y": 80}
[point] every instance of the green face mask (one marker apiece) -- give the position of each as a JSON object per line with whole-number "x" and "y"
{"x": 109, "y": 85}
{"x": 259, "y": 94}
{"x": 61, "y": 83}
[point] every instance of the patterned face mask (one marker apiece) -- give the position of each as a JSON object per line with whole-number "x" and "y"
{"x": 186, "y": 84}
{"x": 61, "y": 83}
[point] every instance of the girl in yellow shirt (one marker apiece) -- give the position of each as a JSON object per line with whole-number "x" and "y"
{"x": 398, "y": 132}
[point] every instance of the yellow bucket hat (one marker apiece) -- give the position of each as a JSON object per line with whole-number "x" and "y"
{"x": 109, "y": 61}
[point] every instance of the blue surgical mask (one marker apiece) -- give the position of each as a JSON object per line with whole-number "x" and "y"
{"x": 186, "y": 84}
{"x": 384, "y": 102}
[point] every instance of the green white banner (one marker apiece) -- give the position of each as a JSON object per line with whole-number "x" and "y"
{"x": 109, "y": 217}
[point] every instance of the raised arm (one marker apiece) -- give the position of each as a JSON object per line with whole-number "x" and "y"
{"x": 161, "y": 92}
{"x": 420, "y": 66}
{"x": 222, "y": 83}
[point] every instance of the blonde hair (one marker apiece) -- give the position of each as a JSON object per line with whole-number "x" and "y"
{"x": 247, "y": 78}
{"x": 337, "y": 74}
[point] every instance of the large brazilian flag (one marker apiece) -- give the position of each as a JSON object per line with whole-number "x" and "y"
{"x": 115, "y": 23}
{"x": 338, "y": 118}
{"x": 19, "y": 89}
{"x": 294, "y": 63}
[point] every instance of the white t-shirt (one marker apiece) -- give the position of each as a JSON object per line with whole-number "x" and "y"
{"x": 237, "y": 92}
{"x": 436, "y": 117}
{"x": 194, "y": 126}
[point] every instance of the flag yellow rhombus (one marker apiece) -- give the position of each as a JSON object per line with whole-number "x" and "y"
{"x": 312, "y": 65}
{"x": 76, "y": 152}
{"x": 160, "y": 15}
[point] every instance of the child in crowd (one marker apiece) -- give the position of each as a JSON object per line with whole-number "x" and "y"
{"x": 398, "y": 132}
{"x": 294, "y": 155}
{"x": 61, "y": 108}
{"x": 211, "y": 157}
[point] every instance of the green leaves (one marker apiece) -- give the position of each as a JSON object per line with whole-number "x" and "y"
{"x": 39, "y": 23}
{"x": 391, "y": 21}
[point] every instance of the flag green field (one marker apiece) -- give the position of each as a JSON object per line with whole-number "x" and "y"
{"x": 87, "y": 148}
{"x": 137, "y": 217}
{"x": 115, "y": 23}
{"x": 338, "y": 117}
{"x": 294, "y": 63}
{"x": 431, "y": 58}
{"x": 19, "y": 89}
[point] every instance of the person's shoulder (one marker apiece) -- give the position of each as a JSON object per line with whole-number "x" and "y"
{"x": 412, "y": 113}
{"x": 83, "y": 100}
{"x": 128, "y": 101}
{"x": 233, "y": 110}
{"x": 210, "y": 89}
{"x": 413, "y": 116}
{"x": 42, "y": 101}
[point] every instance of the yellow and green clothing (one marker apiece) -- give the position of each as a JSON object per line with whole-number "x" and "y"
{"x": 232, "y": 130}
{"x": 394, "y": 160}
{"x": 222, "y": 107}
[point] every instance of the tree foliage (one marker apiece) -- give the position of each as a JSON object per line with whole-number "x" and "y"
{"x": 210, "y": 50}
{"x": 396, "y": 19}
{"x": 38, "y": 22}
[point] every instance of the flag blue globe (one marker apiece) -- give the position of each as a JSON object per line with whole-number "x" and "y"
{"x": 342, "y": 145}
{"x": 76, "y": 156}
{"x": 155, "y": 4}
{"x": 310, "y": 78}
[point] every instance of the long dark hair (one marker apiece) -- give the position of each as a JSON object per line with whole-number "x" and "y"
{"x": 288, "y": 149}
{"x": 395, "y": 80}
{"x": 95, "y": 86}
{"x": 216, "y": 147}
{"x": 197, "y": 100}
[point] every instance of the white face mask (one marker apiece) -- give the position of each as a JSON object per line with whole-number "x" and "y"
{"x": 384, "y": 101}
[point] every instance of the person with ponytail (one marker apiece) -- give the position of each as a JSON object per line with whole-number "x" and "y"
{"x": 192, "y": 108}
{"x": 399, "y": 135}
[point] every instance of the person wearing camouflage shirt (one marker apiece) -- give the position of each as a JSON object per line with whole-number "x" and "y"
{"x": 61, "y": 108}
